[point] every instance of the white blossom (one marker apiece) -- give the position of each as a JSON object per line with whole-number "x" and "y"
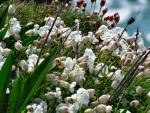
{"x": 12, "y": 9}
{"x": 18, "y": 45}
{"x": 90, "y": 59}
{"x": 118, "y": 76}
{"x": 83, "y": 96}
{"x": 104, "y": 98}
{"x": 72, "y": 86}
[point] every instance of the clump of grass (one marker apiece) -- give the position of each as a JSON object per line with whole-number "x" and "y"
{"x": 25, "y": 12}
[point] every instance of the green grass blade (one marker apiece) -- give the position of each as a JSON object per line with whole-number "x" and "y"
{"x": 3, "y": 17}
{"x": 28, "y": 40}
{"x": 13, "y": 99}
{"x": 34, "y": 81}
{"x": 2, "y": 1}
{"x": 4, "y": 77}
{"x": 3, "y": 32}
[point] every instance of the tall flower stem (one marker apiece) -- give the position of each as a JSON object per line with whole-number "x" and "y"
{"x": 45, "y": 41}
{"x": 128, "y": 77}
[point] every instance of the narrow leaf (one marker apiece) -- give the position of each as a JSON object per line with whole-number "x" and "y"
{"x": 13, "y": 99}
{"x": 3, "y": 17}
{"x": 3, "y": 32}
{"x": 4, "y": 77}
{"x": 34, "y": 81}
{"x": 28, "y": 40}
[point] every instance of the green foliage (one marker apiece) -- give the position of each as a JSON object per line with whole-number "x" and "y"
{"x": 3, "y": 15}
{"x": 15, "y": 93}
{"x": 3, "y": 32}
{"x": 28, "y": 40}
{"x": 34, "y": 81}
{"x": 5, "y": 77}
{"x": 27, "y": 12}
{"x": 24, "y": 89}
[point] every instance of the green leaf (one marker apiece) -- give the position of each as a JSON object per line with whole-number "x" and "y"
{"x": 3, "y": 32}
{"x": 13, "y": 99}
{"x": 2, "y": 1}
{"x": 28, "y": 40}
{"x": 36, "y": 78}
{"x": 4, "y": 77}
{"x": 3, "y": 17}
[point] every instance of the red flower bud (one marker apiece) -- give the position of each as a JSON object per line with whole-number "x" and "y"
{"x": 103, "y": 2}
{"x": 131, "y": 20}
{"x": 95, "y": 25}
{"x": 111, "y": 18}
{"x": 82, "y": 1}
{"x": 107, "y": 18}
{"x": 78, "y": 4}
{"x": 116, "y": 14}
{"x": 84, "y": 5}
{"x": 117, "y": 18}
{"x": 113, "y": 25}
{"x": 104, "y": 11}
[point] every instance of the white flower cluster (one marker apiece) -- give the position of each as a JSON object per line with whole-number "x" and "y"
{"x": 71, "y": 73}
{"x": 14, "y": 29}
{"x": 39, "y": 107}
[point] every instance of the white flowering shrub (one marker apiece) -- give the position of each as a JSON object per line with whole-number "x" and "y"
{"x": 49, "y": 67}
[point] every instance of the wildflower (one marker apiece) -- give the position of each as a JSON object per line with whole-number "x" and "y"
{"x": 103, "y": 2}
{"x": 72, "y": 87}
{"x": 18, "y": 45}
{"x": 11, "y": 9}
{"x": 99, "y": 71}
{"x": 118, "y": 76}
{"x": 64, "y": 84}
{"x": 77, "y": 74}
{"x": 58, "y": 93}
{"x": 15, "y": 28}
{"x": 131, "y": 20}
{"x": 69, "y": 63}
{"x": 84, "y": 5}
{"x": 114, "y": 84}
{"x": 101, "y": 108}
{"x": 104, "y": 98}
{"x": 134, "y": 103}
{"x": 95, "y": 103}
{"x": 108, "y": 109}
{"x": 139, "y": 90}
{"x": 91, "y": 92}
{"x": 104, "y": 11}
{"x": 6, "y": 51}
{"x": 83, "y": 96}
{"x": 23, "y": 64}
{"x": 112, "y": 45}
{"x": 90, "y": 59}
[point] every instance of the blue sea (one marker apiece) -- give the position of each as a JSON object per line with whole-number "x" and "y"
{"x": 126, "y": 9}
